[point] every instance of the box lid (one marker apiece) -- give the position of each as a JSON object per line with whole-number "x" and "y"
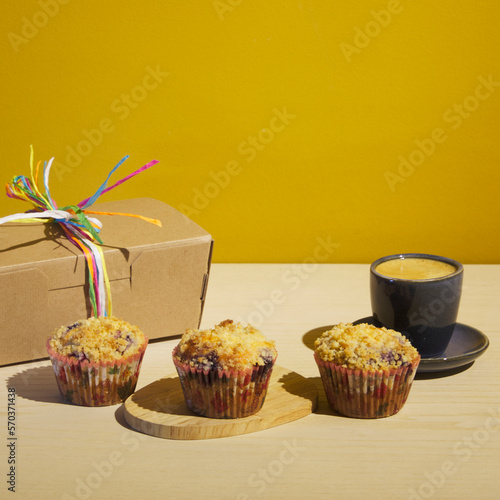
{"x": 44, "y": 246}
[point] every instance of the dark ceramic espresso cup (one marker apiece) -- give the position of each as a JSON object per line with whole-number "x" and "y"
{"x": 417, "y": 295}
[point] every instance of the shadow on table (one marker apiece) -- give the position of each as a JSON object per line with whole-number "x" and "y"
{"x": 300, "y": 386}
{"x": 38, "y": 384}
{"x": 323, "y": 406}
{"x": 120, "y": 417}
{"x": 162, "y": 397}
{"x": 309, "y": 337}
{"x": 441, "y": 374}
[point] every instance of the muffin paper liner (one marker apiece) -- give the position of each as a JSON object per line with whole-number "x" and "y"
{"x": 88, "y": 383}
{"x": 365, "y": 393}
{"x": 223, "y": 393}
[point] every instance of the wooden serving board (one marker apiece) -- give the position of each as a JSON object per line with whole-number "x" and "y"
{"x": 159, "y": 409}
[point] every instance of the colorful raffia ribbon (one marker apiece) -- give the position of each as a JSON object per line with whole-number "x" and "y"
{"x": 81, "y": 230}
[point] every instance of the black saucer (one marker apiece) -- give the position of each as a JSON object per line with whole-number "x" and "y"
{"x": 465, "y": 346}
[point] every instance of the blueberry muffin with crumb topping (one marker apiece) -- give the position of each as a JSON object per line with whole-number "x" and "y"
{"x": 97, "y": 361}
{"x": 367, "y": 372}
{"x": 225, "y": 371}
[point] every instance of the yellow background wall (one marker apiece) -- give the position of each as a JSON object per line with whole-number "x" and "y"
{"x": 291, "y": 130}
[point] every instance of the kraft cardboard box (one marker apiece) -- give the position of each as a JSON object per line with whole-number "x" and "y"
{"x": 158, "y": 276}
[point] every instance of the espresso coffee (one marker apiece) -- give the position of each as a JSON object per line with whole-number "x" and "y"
{"x": 412, "y": 268}
{"x": 418, "y": 295}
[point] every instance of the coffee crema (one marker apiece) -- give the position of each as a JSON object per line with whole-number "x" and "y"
{"x": 414, "y": 268}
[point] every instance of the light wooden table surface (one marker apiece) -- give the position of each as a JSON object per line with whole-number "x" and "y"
{"x": 444, "y": 444}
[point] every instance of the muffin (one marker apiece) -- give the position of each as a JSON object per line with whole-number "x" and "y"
{"x": 224, "y": 371}
{"x": 97, "y": 361}
{"x": 367, "y": 372}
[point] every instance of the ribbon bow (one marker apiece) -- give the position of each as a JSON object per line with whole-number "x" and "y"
{"x": 81, "y": 230}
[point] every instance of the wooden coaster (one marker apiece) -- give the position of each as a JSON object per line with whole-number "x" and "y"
{"x": 159, "y": 409}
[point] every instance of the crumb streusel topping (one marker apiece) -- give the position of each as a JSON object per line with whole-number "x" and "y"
{"x": 98, "y": 339}
{"x": 365, "y": 347}
{"x": 228, "y": 346}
